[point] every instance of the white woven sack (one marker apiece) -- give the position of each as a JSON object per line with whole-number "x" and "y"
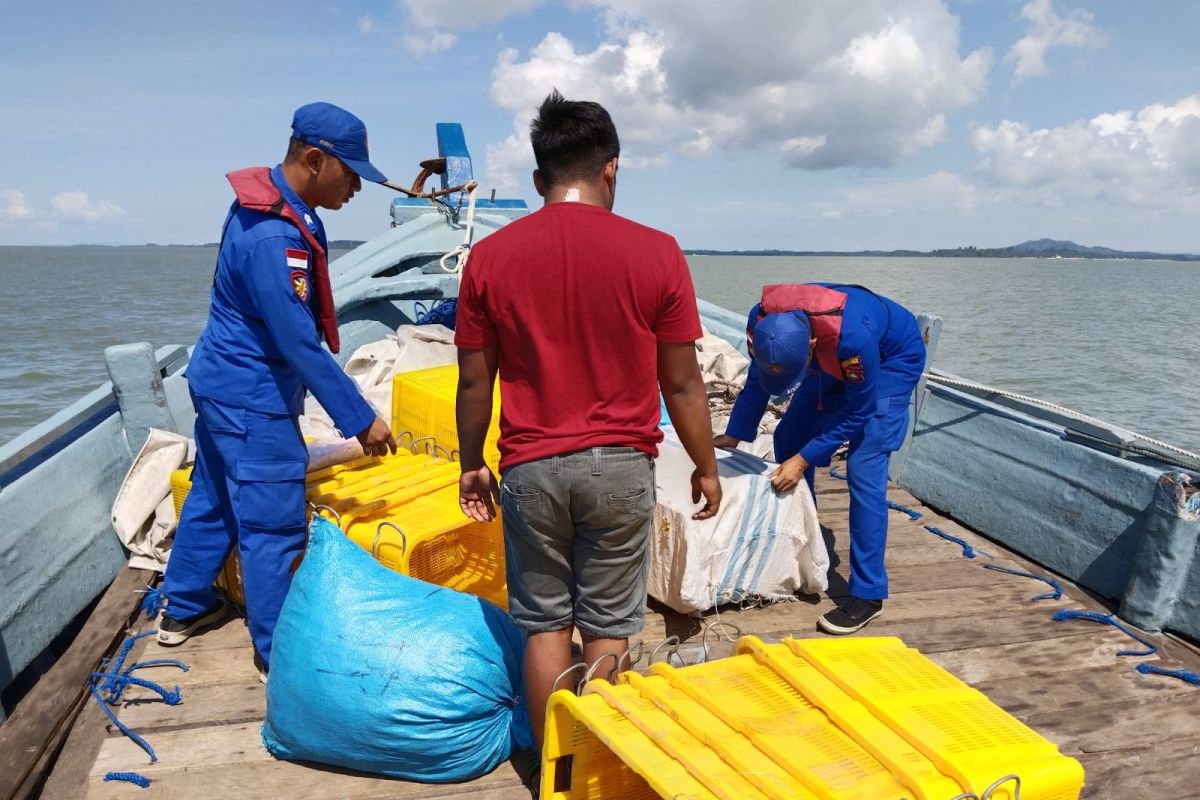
{"x": 761, "y": 546}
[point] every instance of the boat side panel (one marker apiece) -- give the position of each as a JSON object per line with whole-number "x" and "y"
{"x": 1074, "y": 509}
{"x": 57, "y": 545}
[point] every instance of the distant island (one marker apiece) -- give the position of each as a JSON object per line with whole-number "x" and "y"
{"x": 1036, "y": 248}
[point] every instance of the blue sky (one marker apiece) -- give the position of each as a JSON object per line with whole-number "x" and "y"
{"x": 798, "y": 124}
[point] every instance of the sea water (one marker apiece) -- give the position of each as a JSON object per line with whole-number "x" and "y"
{"x": 1114, "y": 339}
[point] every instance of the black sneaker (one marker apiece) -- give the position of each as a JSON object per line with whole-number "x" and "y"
{"x": 172, "y": 632}
{"x": 851, "y": 615}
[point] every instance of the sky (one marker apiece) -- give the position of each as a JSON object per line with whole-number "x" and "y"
{"x": 790, "y": 124}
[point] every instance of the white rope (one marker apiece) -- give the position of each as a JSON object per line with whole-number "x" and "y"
{"x": 1170, "y": 448}
{"x": 461, "y": 253}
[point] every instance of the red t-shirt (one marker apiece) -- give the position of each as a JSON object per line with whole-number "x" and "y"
{"x": 576, "y": 299}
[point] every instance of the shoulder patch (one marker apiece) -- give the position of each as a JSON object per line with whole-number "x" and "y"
{"x": 852, "y": 369}
{"x": 300, "y": 284}
{"x": 296, "y": 259}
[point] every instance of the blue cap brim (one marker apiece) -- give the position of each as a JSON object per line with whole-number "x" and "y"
{"x": 365, "y": 170}
{"x": 777, "y": 385}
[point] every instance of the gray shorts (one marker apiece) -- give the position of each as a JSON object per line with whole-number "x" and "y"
{"x": 577, "y": 537}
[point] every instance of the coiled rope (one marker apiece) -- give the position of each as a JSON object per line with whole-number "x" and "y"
{"x": 440, "y": 312}
{"x": 108, "y": 686}
{"x": 463, "y": 251}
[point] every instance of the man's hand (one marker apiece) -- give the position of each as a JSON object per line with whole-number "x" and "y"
{"x": 727, "y": 441}
{"x": 377, "y": 440}
{"x": 478, "y": 494}
{"x": 789, "y": 474}
{"x": 708, "y": 486}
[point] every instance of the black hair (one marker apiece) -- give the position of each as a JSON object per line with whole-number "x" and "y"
{"x": 296, "y": 148}
{"x": 572, "y": 139}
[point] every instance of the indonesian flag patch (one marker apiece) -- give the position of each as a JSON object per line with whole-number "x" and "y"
{"x": 296, "y": 259}
{"x": 852, "y": 369}
{"x": 300, "y": 284}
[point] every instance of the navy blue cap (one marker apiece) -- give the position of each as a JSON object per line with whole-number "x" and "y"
{"x": 781, "y": 351}
{"x": 337, "y": 132}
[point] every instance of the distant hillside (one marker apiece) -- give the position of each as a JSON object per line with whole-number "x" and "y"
{"x": 1035, "y": 248}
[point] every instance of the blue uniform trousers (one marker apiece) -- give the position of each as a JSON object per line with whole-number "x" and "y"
{"x": 247, "y": 491}
{"x": 820, "y": 404}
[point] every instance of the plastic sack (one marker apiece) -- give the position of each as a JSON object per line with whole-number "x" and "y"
{"x": 375, "y": 671}
{"x": 760, "y": 547}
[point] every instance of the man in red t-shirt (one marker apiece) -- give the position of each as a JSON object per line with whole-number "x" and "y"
{"x": 585, "y": 315}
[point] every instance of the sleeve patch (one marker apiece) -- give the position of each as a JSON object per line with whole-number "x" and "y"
{"x": 300, "y": 284}
{"x": 852, "y": 369}
{"x": 296, "y": 259}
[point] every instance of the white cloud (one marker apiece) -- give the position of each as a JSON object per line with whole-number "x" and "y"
{"x": 14, "y": 207}
{"x": 1049, "y": 29}
{"x": 427, "y": 43}
{"x": 464, "y": 13}
{"x": 823, "y": 83}
{"x": 939, "y": 193}
{"x": 366, "y": 24}
{"x": 1147, "y": 159}
{"x": 78, "y": 207}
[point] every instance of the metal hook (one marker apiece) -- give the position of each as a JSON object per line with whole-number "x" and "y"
{"x": 379, "y": 532}
{"x": 400, "y": 436}
{"x": 336, "y": 516}
{"x": 565, "y": 673}
{"x": 437, "y": 447}
{"x": 628, "y": 658}
{"x": 587, "y": 676}
{"x": 673, "y": 641}
{"x": 988, "y": 792}
{"x": 720, "y": 627}
{"x": 454, "y": 453}
{"x": 413, "y": 446}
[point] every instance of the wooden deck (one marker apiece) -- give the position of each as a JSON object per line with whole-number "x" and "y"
{"x": 1137, "y": 736}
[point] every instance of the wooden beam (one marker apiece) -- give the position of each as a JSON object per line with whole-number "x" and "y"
{"x": 43, "y": 718}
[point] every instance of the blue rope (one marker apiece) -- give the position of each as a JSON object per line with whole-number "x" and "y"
{"x": 913, "y": 515}
{"x": 1181, "y": 674}
{"x": 1054, "y": 585}
{"x": 109, "y": 684}
{"x": 441, "y": 312}
{"x": 1108, "y": 619}
{"x": 967, "y": 550}
{"x": 131, "y": 777}
{"x": 834, "y": 472}
{"x": 153, "y": 601}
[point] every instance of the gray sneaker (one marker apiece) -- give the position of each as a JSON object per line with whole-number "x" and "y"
{"x": 851, "y": 615}
{"x": 173, "y": 632}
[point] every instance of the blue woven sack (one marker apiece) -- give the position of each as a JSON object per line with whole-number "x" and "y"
{"x": 376, "y": 671}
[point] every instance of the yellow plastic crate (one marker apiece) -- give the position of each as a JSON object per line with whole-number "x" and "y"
{"x": 429, "y": 537}
{"x": 423, "y": 404}
{"x": 835, "y": 719}
{"x": 953, "y": 725}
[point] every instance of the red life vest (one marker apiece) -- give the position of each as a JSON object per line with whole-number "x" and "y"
{"x": 255, "y": 190}
{"x": 824, "y": 308}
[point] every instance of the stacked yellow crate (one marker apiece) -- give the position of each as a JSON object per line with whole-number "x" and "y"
{"x": 403, "y": 509}
{"x": 834, "y": 719}
{"x": 423, "y": 408}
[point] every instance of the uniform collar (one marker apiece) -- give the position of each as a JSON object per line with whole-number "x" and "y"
{"x": 306, "y": 214}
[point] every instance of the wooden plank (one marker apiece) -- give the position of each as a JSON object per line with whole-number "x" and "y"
{"x": 977, "y": 664}
{"x": 1106, "y": 726}
{"x": 229, "y": 761}
{"x": 43, "y": 718}
{"x": 1162, "y": 770}
{"x": 205, "y": 704}
{"x": 1079, "y": 688}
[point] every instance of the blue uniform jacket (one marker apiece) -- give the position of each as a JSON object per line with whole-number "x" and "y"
{"x": 260, "y": 349}
{"x": 884, "y": 335}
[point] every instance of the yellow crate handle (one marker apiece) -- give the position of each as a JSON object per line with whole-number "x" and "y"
{"x": 379, "y": 532}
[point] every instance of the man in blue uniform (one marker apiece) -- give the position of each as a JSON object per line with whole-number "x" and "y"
{"x": 850, "y": 359}
{"x": 261, "y": 349}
